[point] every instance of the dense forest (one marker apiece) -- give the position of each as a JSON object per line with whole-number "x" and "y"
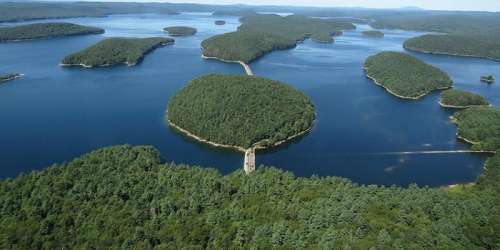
{"x": 123, "y": 197}
{"x": 31, "y": 10}
{"x": 8, "y": 77}
{"x": 113, "y": 51}
{"x": 405, "y": 76}
{"x": 45, "y": 30}
{"x": 241, "y": 111}
{"x": 480, "y": 126}
{"x": 460, "y": 45}
{"x": 373, "y": 33}
{"x": 244, "y": 46}
{"x": 180, "y": 30}
{"x": 261, "y": 34}
{"x": 461, "y": 99}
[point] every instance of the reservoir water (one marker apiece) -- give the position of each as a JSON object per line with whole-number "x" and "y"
{"x": 54, "y": 114}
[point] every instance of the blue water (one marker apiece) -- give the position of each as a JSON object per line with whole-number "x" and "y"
{"x": 54, "y": 114}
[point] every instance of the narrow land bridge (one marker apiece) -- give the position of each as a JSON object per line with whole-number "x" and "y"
{"x": 249, "y": 162}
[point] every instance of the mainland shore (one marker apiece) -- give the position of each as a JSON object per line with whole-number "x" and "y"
{"x": 449, "y": 54}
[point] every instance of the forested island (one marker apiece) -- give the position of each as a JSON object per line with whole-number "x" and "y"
{"x": 220, "y": 22}
{"x": 456, "y": 45}
{"x": 44, "y": 31}
{"x": 125, "y": 197}
{"x": 453, "y": 98}
{"x": 180, "y": 30}
{"x": 373, "y": 33}
{"x": 261, "y": 34}
{"x": 113, "y": 51}
{"x": 9, "y": 77}
{"x": 479, "y": 126}
{"x": 405, "y": 76}
{"x": 240, "y": 112}
{"x": 488, "y": 79}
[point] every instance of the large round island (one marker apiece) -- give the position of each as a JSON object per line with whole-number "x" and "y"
{"x": 240, "y": 112}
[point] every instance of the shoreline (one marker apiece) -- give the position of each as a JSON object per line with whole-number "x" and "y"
{"x": 245, "y": 66}
{"x": 237, "y": 148}
{"x": 448, "y": 54}
{"x": 97, "y": 66}
{"x": 400, "y": 96}
{"x": 461, "y": 107}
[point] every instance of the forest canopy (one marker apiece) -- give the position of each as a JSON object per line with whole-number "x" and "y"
{"x": 241, "y": 111}
{"x": 480, "y": 126}
{"x": 124, "y": 197}
{"x": 262, "y": 33}
{"x": 113, "y": 51}
{"x": 180, "y": 30}
{"x": 405, "y": 76}
{"x": 461, "y": 99}
{"x": 45, "y": 30}
{"x": 459, "y": 45}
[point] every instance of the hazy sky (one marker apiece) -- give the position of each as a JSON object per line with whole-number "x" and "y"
{"x": 492, "y": 5}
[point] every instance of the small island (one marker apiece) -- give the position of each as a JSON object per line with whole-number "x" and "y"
{"x": 479, "y": 126}
{"x": 114, "y": 51}
{"x": 243, "y": 113}
{"x": 180, "y": 30}
{"x": 454, "y": 45}
{"x": 405, "y": 76}
{"x": 44, "y": 31}
{"x": 453, "y": 98}
{"x": 220, "y": 22}
{"x": 488, "y": 79}
{"x": 373, "y": 33}
{"x": 260, "y": 34}
{"x": 9, "y": 77}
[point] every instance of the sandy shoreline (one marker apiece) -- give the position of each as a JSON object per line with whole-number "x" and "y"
{"x": 90, "y": 67}
{"x": 239, "y": 149}
{"x": 461, "y": 107}
{"x": 247, "y": 68}
{"x": 400, "y": 96}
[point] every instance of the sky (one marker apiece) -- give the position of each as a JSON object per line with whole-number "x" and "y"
{"x": 487, "y": 5}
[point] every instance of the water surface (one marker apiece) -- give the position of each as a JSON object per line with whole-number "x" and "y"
{"x": 54, "y": 114}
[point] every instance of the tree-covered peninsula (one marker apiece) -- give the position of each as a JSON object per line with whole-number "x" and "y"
{"x": 479, "y": 126}
{"x": 373, "y": 33}
{"x": 456, "y": 45}
{"x": 9, "y": 77}
{"x": 125, "y": 197}
{"x": 180, "y": 30}
{"x": 260, "y": 34}
{"x": 453, "y": 98}
{"x": 405, "y": 76}
{"x": 113, "y": 51}
{"x": 240, "y": 111}
{"x": 44, "y": 31}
